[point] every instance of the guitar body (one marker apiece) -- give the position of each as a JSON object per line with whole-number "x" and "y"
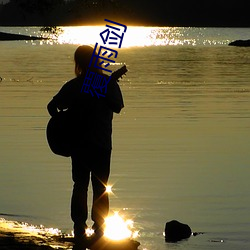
{"x": 59, "y": 133}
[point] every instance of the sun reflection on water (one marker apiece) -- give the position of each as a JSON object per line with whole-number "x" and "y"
{"x": 134, "y": 37}
{"x": 79, "y": 35}
{"x": 116, "y": 228}
{"x": 140, "y": 36}
{"x": 29, "y": 229}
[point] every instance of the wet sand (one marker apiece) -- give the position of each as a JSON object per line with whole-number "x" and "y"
{"x": 8, "y": 241}
{"x": 12, "y": 241}
{"x": 15, "y": 235}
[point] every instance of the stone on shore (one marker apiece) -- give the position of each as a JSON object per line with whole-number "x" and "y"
{"x": 176, "y": 231}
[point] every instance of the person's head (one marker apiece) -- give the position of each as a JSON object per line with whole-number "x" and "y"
{"x": 82, "y": 58}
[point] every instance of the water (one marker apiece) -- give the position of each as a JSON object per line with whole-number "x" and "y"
{"x": 180, "y": 145}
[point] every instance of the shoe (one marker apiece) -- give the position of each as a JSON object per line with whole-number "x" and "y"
{"x": 78, "y": 247}
{"x": 98, "y": 234}
{"x": 98, "y": 229}
{"x": 79, "y": 229}
{"x": 80, "y": 237}
{"x": 81, "y": 242}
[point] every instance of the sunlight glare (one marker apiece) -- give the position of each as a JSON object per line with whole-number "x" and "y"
{"x": 117, "y": 228}
{"x": 89, "y": 232}
{"x": 28, "y": 229}
{"x": 80, "y": 35}
{"x": 135, "y": 36}
{"x": 108, "y": 189}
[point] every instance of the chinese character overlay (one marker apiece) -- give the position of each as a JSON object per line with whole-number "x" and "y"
{"x": 93, "y": 82}
{"x": 105, "y": 55}
{"x": 113, "y": 35}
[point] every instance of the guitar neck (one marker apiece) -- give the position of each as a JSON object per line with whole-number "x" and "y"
{"x": 118, "y": 73}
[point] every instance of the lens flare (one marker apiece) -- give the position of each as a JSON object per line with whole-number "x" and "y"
{"x": 108, "y": 189}
{"x": 116, "y": 228}
{"x": 89, "y": 232}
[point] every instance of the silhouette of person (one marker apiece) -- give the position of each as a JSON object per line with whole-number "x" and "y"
{"x": 91, "y": 148}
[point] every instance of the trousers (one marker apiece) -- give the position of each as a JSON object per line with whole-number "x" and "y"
{"x": 89, "y": 163}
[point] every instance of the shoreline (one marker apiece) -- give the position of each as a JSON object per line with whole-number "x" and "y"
{"x": 17, "y": 236}
{"x": 17, "y": 37}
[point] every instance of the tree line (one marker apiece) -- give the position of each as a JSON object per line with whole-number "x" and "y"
{"x": 59, "y": 12}
{"x": 139, "y": 12}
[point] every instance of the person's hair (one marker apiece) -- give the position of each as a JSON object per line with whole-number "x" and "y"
{"x": 82, "y": 59}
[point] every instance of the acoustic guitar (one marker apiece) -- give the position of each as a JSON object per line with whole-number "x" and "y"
{"x": 60, "y": 127}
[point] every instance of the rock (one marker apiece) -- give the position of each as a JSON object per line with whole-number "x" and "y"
{"x": 104, "y": 244}
{"x": 240, "y": 43}
{"x": 14, "y": 37}
{"x": 176, "y": 231}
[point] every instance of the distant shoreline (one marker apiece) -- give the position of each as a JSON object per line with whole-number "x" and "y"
{"x": 128, "y": 24}
{"x": 16, "y": 37}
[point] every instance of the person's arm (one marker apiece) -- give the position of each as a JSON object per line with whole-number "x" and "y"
{"x": 60, "y": 101}
{"x": 52, "y": 108}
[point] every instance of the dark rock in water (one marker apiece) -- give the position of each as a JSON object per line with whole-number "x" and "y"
{"x": 176, "y": 231}
{"x": 240, "y": 43}
{"x": 15, "y": 37}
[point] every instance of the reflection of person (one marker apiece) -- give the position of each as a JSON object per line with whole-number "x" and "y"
{"x": 91, "y": 150}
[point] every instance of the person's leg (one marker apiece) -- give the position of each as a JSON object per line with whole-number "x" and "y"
{"x": 99, "y": 178}
{"x": 79, "y": 207}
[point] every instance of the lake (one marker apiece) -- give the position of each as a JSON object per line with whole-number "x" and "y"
{"x": 180, "y": 146}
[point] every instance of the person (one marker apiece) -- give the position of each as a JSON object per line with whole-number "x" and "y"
{"x": 92, "y": 143}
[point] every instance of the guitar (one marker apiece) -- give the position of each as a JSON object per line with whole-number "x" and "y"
{"x": 60, "y": 126}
